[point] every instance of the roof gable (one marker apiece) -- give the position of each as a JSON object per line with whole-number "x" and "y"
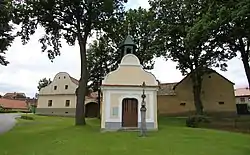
{"x": 129, "y": 73}
{"x": 210, "y": 71}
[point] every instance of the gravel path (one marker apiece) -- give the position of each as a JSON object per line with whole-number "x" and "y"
{"x": 7, "y": 121}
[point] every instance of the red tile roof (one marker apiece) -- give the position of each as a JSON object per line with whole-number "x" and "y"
{"x": 242, "y": 92}
{"x": 13, "y": 104}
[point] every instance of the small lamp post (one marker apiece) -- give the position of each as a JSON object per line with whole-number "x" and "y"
{"x": 143, "y": 110}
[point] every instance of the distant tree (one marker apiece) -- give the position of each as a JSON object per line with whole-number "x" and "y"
{"x": 43, "y": 83}
{"x": 6, "y": 38}
{"x": 100, "y": 62}
{"x": 1, "y": 96}
{"x": 20, "y": 96}
{"x": 104, "y": 54}
{"x": 177, "y": 40}
{"x": 36, "y": 95}
{"x": 73, "y": 21}
{"x": 1, "y": 108}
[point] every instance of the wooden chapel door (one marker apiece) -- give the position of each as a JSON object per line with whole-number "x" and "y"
{"x": 129, "y": 112}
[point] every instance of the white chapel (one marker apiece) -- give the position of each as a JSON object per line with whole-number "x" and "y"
{"x": 122, "y": 93}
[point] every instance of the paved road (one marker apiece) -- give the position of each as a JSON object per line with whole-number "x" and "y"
{"x": 7, "y": 121}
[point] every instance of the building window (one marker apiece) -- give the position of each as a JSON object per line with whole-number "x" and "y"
{"x": 67, "y": 103}
{"x": 55, "y": 87}
{"x": 221, "y": 103}
{"x": 242, "y": 99}
{"x": 49, "y": 103}
{"x": 59, "y": 77}
{"x": 66, "y": 112}
{"x": 183, "y": 104}
{"x": 115, "y": 111}
{"x": 66, "y": 86}
{"x": 64, "y": 77}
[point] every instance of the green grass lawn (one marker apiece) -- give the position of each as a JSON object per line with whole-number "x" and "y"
{"x": 58, "y": 136}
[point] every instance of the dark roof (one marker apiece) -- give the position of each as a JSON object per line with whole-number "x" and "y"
{"x": 167, "y": 89}
{"x": 14, "y": 94}
{"x": 210, "y": 71}
{"x": 75, "y": 81}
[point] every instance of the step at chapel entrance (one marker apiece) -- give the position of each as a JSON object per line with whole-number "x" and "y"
{"x": 129, "y": 112}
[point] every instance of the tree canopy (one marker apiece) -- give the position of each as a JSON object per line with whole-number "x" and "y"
{"x": 105, "y": 54}
{"x": 180, "y": 41}
{"x": 43, "y": 83}
{"x": 229, "y": 26}
{"x": 101, "y": 60}
{"x": 6, "y": 37}
{"x": 71, "y": 20}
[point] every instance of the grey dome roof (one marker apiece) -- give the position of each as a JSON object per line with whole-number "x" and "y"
{"x": 128, "y": 41}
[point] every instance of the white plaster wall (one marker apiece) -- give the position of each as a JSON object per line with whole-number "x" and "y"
{"x": 238, "y": 100}
{"x": 130, "y": 93}
{"x": 58, "y": 101}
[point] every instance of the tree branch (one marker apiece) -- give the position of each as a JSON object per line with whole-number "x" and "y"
{"x": 67, "y": 29}
{"x": 248, "y": 46}
{"x": 242, "y": 45}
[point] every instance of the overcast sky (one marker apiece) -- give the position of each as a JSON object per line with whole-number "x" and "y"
{"x": 28, "y": 65}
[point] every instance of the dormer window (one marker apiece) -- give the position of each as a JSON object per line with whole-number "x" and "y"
{"x": 55, "y": 87}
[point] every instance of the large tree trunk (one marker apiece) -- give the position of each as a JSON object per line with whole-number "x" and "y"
{"x": 82, "y": 88}
{"x": 197, "y": 84}
{"x": 247, "y": 69}
{"x": 245, "y": 59}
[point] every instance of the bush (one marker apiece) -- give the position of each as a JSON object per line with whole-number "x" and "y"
{"x": 8, "y": 111}
{"x": 27, "y": 117}
{"x": 195, "y": 121}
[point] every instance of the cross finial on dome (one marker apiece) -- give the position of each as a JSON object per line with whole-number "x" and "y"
{"x": 129, "y": 28}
